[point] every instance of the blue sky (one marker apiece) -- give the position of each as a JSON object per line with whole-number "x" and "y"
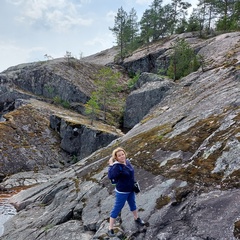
{"x": 29, "y": 29}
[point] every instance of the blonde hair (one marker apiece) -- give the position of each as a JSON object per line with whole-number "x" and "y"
{"x": 115, "y": 151}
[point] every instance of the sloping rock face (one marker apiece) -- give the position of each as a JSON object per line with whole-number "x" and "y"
{"x": 70, "y": 81}
{"x": 38, "y": 136}
{"x": 27, "y": 142}
{"x": 140, "y": 101}
{"x": 186, "y": 157}
{"x": 105, "y": 57}
{"x": 155, "y": 57}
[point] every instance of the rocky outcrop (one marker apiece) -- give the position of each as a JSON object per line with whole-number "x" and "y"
{"x": 151, "y": 90}
{"x": 27, "y": 142}
{"x": 155, "y": 57}
{"x": 29, "y": 95}
{"x": 59, "y": 80}
{"x": 79, "y": 139}
{"x": 39, "y": 136}
{"x": 186, "y": 157}
{"x": 7, "y": 210}
{"x": 105, "y": 57}
{"x": 140, "y": 101}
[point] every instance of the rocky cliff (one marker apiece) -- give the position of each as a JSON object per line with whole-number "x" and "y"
{"x": 185, "y": 150}
{"x": 43, "y": 126}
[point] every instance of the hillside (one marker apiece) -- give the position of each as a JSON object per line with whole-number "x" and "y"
{"x": 185, "y": 151}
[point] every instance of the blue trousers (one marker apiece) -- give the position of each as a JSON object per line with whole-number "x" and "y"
{"x": 120, "y": 201}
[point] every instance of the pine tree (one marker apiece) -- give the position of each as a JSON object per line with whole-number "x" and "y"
{"x": 106, "y": 81}
{"x": 229, "y": 18}
{"x": 155, "y": 22}
{"x": 183, "y": 60}
{"x": 156, "y": 18}
{"x": 132, "y": 30}
{"x": 179, "y": 13}
{"x": 92, "y": 107}
{"x": 146, "y": 27}
{"x": 194, "y": 22}
{"x": 126, "y": 29}
{"x": 119, "y": 30}
{"x": 206, "y": 14}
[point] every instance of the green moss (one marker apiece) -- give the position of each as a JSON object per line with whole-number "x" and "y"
{"x": 200, "y": 171}
{"x": 182, "y": 193}
{"x": 27, "y": 128}
{"x": 147, "y": 143}
{"x": 48, "y": 227}
{"x": 162, "y": 201}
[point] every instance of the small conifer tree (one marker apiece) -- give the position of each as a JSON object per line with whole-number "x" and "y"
{"x": 183, "y": 60}
{"x": 92, "y": 107}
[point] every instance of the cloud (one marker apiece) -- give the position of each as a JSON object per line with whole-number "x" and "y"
{"x": 111, "y": 16}
{"x": 20, "y": 54}
{"x": 62, "y": 22}
{"x": 58, "y": 15}
{"x": 103, "y": 41}
{"x": 15, "y": 2}
{"x": 85, "y": 1}
{"x": 144, "y": 2}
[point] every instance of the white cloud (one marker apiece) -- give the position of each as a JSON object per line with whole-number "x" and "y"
{"x": 59, "y": 21}
{"x": 59, "y": 15}
{"x": 102, "y": 42}
{"x": 111, "y": 15}
{"x": 15, "y": 2}
{"x": 144, "y": 2}
{"x": 85, "y": 1}
{"x": 20, "y": 54}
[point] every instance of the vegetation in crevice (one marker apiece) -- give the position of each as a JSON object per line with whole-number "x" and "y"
{"x": 107, "y": 100}
{"x": 76, "y": 184}
{"x": 183, "y": 60}
{"x": 162, "y": 201}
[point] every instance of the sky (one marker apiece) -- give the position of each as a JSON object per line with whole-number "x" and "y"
{"x": 30, "y": 30}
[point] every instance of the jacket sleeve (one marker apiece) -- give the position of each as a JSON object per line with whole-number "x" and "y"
{"x": 113, "y": 171}
{"x": 110, "y": 172}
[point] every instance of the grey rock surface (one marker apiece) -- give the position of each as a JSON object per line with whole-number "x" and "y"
{"x": 185, "y": 155}
{"x": 151, "y": 90}
{"x": 82, "y": 140}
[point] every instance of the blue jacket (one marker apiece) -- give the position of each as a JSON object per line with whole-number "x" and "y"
{"x": 124, "y": 174}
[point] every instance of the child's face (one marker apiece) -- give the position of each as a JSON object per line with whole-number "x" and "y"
{"x": 121, "y": 157}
